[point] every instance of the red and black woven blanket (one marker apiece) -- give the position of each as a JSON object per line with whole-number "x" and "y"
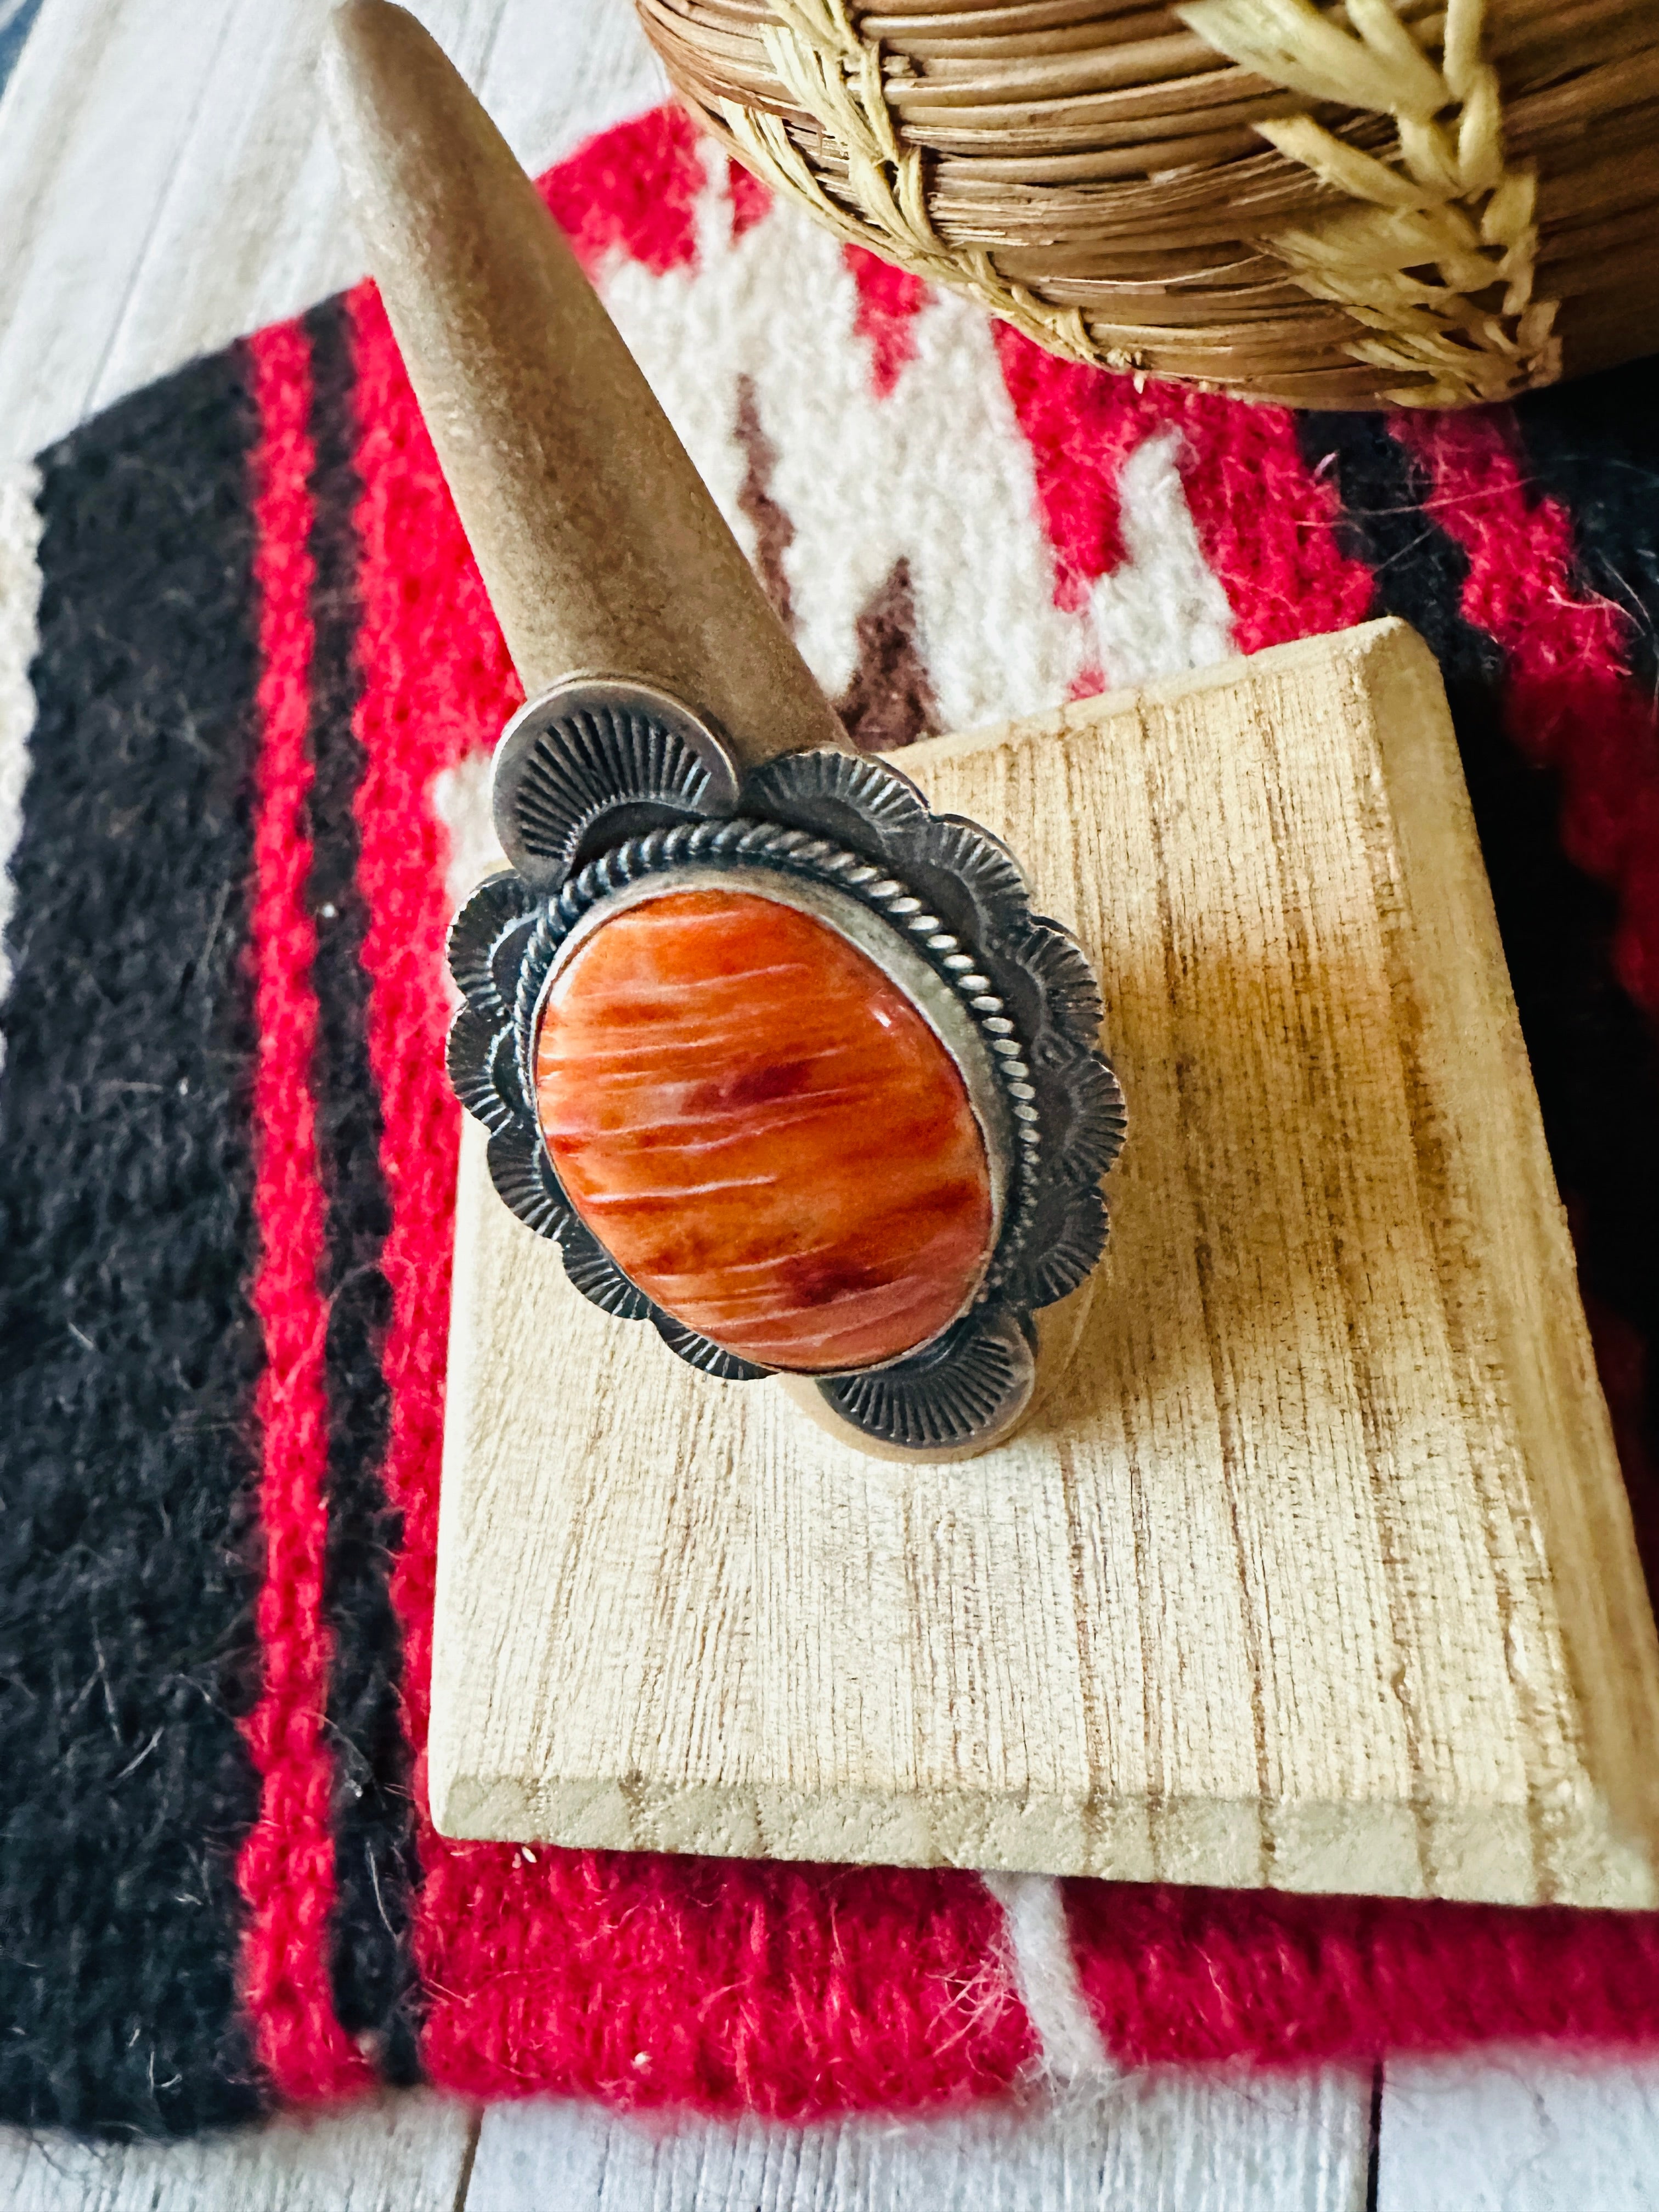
{"x": 259, "y": 680}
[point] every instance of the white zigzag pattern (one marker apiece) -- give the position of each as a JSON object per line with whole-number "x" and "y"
{"x": 937, "y": 472}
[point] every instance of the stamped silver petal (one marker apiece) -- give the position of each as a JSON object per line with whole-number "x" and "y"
{"x": 983, "y": 866}
{"x": 1099, "y": 1119}
{"x": 1063, "y": 1249}
{"x": 507, "y": 958}
{"x": 597, "y": 1277}
{"x": 697, "y": 1352}
{"x": 974, "y": 1382}
{"x": 596, "y": 760}
{"x": 843, "y": 795}
{"x": 1057, "y": 963}
{"x": 499, "y": 902}
{"x": 524, "y": 1176}
{"x": 482, "y": 1064}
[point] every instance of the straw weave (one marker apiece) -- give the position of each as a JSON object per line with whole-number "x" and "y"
{"x": 1386, "y": 202}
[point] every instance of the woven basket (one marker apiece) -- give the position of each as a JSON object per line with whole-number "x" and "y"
{"x": 1387, "y": 203}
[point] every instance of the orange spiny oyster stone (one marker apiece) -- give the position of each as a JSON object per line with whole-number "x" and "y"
{"x": 762, "y": 1131}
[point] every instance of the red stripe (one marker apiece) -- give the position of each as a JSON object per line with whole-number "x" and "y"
{"x": 1570, "y": 702}
{"x": 751, "y": 200}
{"x": 1196, "y": 1976}
{"x": 436, "y": 684}
{"x": 642, "y": 1980}
{"x": 286, "y": 1868}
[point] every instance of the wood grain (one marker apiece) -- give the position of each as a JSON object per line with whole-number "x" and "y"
{"x": 396, "y": 2153}
{"x": 1317, "y": 1572}
{"x": 1163, "y": 2142}
{"x": 1519, "y": 2131}
{"x": 168, "y": 185}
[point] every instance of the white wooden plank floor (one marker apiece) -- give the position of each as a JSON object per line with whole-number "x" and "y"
{"x": 167, "y": 183}
{"x": 409, "y": 2154}
{"x": 164, "y": 184}
{"x": 1520, "y": 2134}
{"x": 1165, "y": 2142}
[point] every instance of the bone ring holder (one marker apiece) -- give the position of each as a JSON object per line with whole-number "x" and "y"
{"x": 783, "y": 1063}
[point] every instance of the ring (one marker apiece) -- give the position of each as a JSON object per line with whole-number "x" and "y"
{"x": 783, "y": 1063}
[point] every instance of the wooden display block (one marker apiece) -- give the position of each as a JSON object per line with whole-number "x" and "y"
{"x": 1315, "y": 1573}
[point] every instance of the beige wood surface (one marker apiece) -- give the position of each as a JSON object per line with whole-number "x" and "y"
{"x": 1317, "y": 1572}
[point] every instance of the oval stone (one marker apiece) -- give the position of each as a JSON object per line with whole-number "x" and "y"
{"x": 764, "y": 1131}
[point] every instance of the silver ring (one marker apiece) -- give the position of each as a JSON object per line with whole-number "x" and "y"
{"x": 606, "y": 793}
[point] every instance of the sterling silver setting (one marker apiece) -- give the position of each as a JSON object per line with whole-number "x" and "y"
{"x": 604, "y": 791}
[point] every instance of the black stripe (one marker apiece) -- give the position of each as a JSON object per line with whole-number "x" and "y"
{"x": 374, "y": 1981}
{"x": 129, "y": 1354}
{"x": 1592, "y": 1055}
{"x": 1594, "y": 447}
